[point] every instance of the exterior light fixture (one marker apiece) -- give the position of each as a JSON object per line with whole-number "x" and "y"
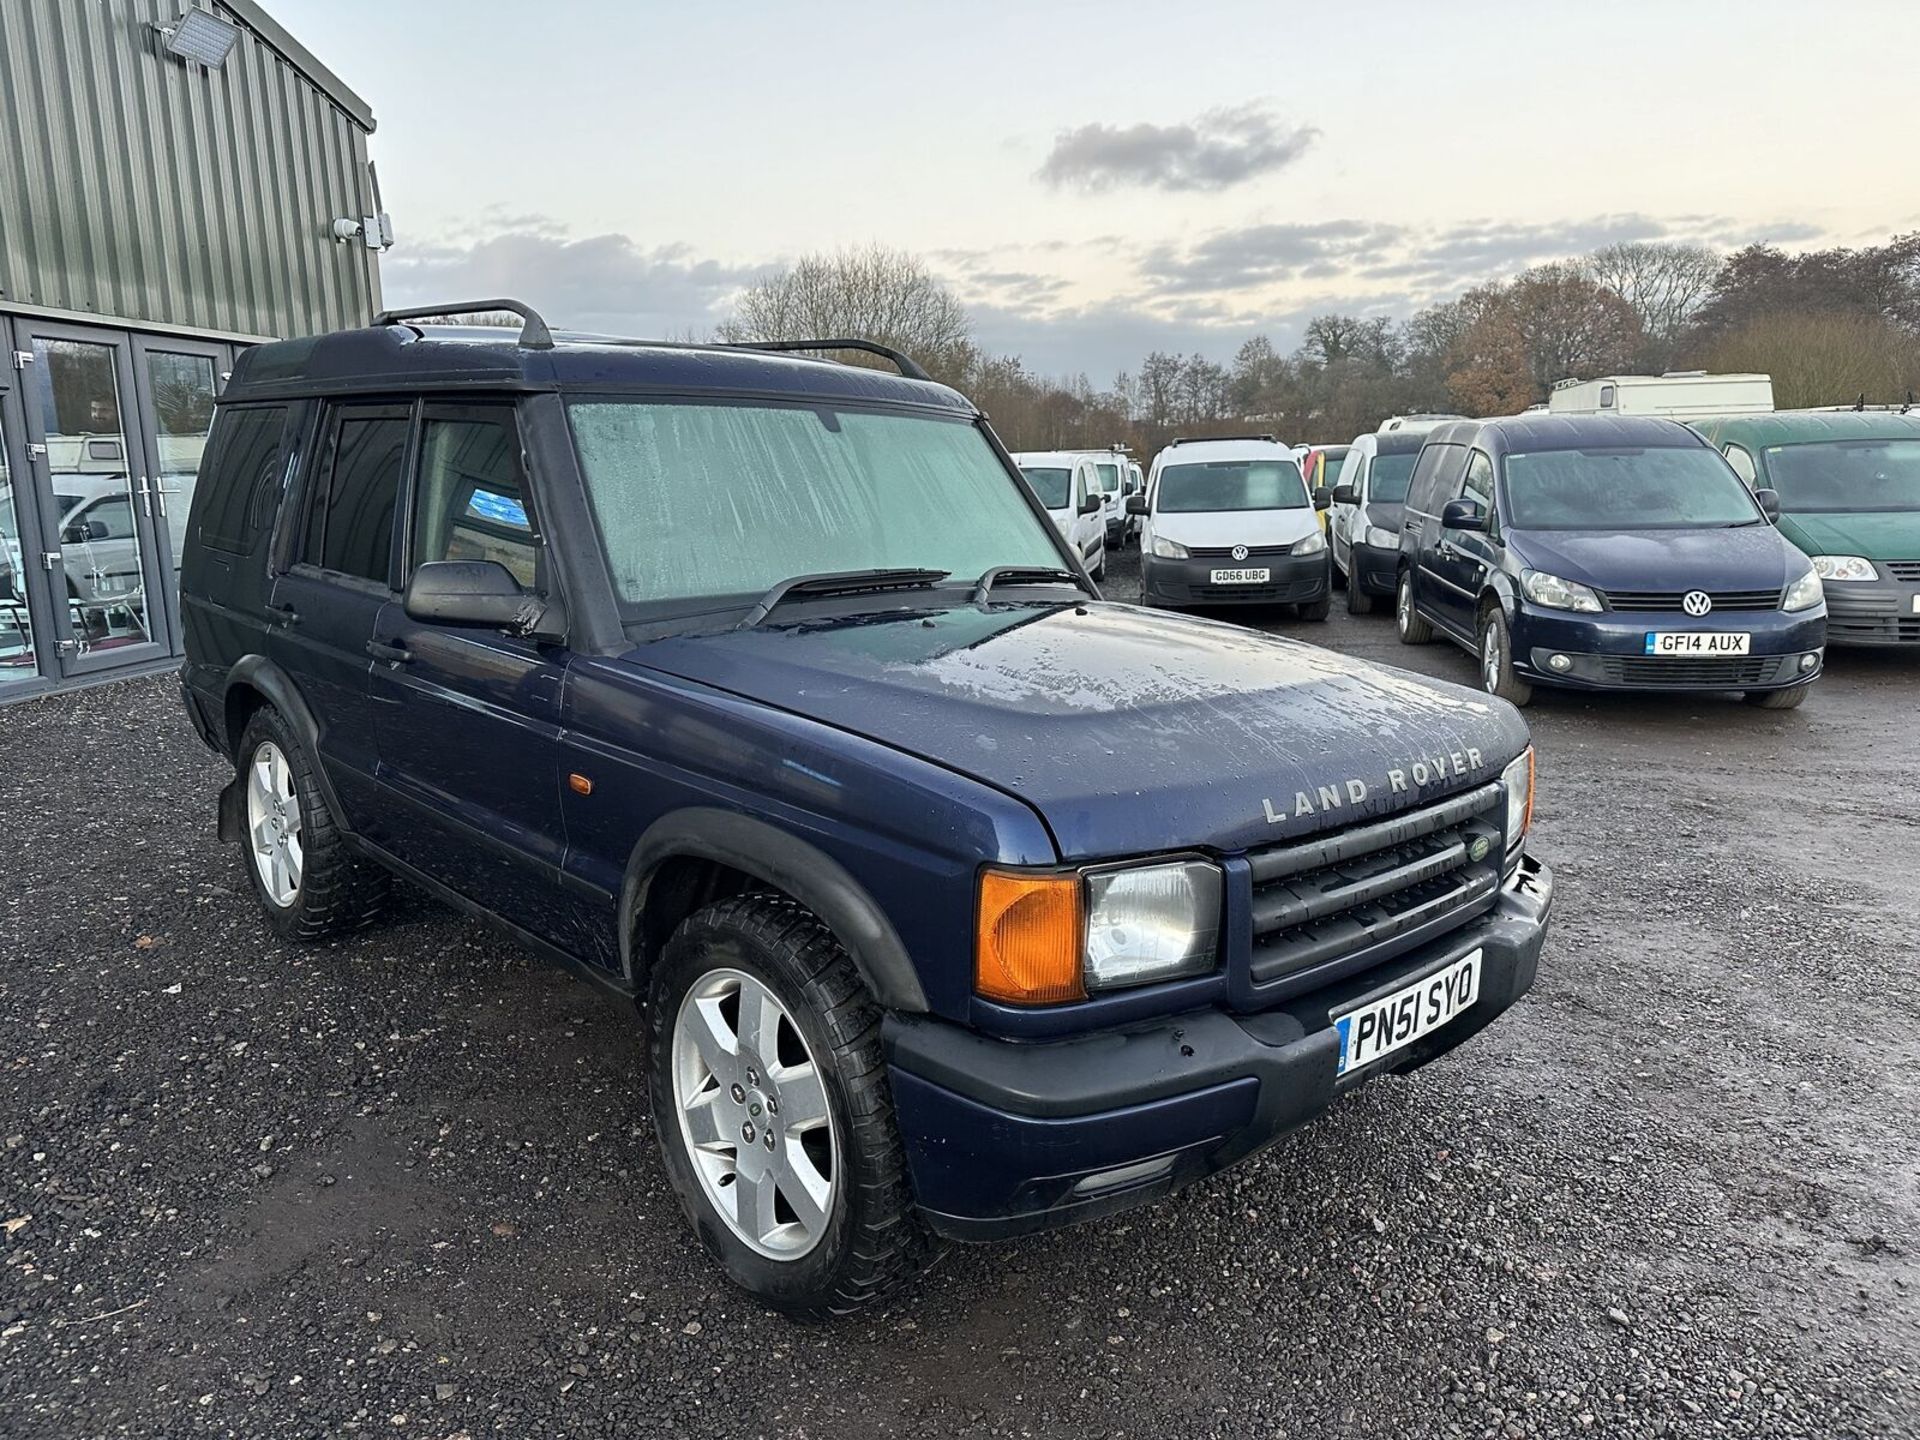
{"x": 200, "y": 36}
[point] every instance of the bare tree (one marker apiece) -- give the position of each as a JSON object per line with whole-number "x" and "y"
{"x": 1665, "y": 285}
{"x": 868, "y": 294}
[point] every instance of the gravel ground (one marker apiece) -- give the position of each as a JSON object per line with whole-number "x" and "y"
{"x": 405, "y": 1185}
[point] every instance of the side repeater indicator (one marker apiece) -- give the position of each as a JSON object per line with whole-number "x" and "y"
{"x": 579, "y": 784}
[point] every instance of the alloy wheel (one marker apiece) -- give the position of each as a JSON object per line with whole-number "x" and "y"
{"x": 273, "y": 824}
{"x": 754, "y": 1115}
{"x": 1492, "y": 662}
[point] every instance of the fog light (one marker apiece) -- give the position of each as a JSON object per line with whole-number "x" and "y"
{"x": 1124, "y": 1175}
{"x": 1807, "y": 662}
{"x": 1562, "y": 663}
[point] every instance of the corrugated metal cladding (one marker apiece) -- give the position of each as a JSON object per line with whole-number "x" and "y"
{"x": 139, "y": 186}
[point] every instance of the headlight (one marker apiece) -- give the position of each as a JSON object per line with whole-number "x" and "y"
{"x": 1557, "y": 594}
{"x": 1842, "y": 567}
{"x": 1312, "y": 545}
{"x": 1518, "y": 780}
{"x": 1152, "y": 922}
{"x": 1806, "y": 592}
{"x": 1168, "y": 549}
{"x": 1045, "y": 938}
{"x": 1381, "y": 539}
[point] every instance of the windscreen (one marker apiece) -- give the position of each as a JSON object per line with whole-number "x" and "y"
{"x": 711, "y": 500}
{"x": 1387, "y": 481}
{"x": 1231, "y": 485}
{"x": 1846, "y": 476}
{"x": 1623, "y": 488}
{"x": 1051, "y": 484}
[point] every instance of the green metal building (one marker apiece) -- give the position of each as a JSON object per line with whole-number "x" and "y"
{"x": 176, "y": 179}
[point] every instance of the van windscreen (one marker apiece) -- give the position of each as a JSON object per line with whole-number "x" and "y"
{"x": 1215, "y": 485}
{"x": 1846, "y": 476}
{"x": 1626, "y": 488}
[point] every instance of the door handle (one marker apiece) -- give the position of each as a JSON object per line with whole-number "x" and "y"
{"x": 394, "y": 654}
{"x": 288, "y": 615}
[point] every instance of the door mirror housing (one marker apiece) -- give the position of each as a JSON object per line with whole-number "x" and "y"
{"x": 1136, "y": 504}
{"x": 1090, "y": 505}
{"x": 1345, "y": 495}
{"x": 480, "y": 592}
{"x": 1769, "y": 502}
{"x": 82, "y": 531}
{"x": 1464, "y": 515}
{"x": 1322, "y": 497}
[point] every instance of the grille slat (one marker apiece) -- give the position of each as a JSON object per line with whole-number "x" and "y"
{"x": 1903, "y": 570}
{"x": 1728, "y": 673}
{"x": 1345, "y": 896}
{"x": 1675, "y": 600}
{"x": 1225, "y": 552}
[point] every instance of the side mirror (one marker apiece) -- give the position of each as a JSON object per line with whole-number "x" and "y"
{"x": 82, "y": 531}
{"x": 1136, "y": 504}
{"x": 1463, "y": 515}
{"x": 1769, "y": 504}
{"x": 1345, "y": 495}
{"x": 1090, "y": 505}
{"x": 479, "y": 592}
{"x": 1322, "y": 497}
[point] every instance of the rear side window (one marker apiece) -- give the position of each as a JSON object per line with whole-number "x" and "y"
{"x": 350, "y": 518}
{"x": 1429, "y": 475}
{"x": 247, "y": 466}
{"x": 472, "y": 501}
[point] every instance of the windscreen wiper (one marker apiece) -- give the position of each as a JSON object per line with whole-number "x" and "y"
{"x": 840, "y": 582}
{"x": 1021, "y": 575}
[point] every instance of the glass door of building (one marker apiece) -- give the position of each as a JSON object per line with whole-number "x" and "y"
{"x": 177, "y": 381}
{"x": 21, "y": 595}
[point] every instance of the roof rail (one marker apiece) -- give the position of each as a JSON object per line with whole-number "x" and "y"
{"x": 906, "y": 364}
{"x": 1207, "y": 439}
{"x": 534, "y": 334}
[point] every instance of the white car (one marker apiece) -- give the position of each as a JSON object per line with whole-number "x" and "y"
{"x": 1068, "y": 488}
{"x": 1230, "y": 522}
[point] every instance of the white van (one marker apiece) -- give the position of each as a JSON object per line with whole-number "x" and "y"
{"x": 1230, "y": 522}
{"x": 1110, "y": 475}
{"x": 1680, "y": 394}
{"x": 1067, "y": 485}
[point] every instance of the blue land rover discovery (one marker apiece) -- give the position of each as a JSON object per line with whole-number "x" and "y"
{"x": 672, "y": 662}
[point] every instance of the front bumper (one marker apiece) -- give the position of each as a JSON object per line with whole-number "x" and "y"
{"x": 1375, "y": 571}
{"x": 1291, "y": 580}
{"x": 1884, "y": 612}
{"x": 1005, "y": 1137}
{"x": 1608, "y": 651}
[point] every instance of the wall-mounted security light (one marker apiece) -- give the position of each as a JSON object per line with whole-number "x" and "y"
{"x": 200, "y": 36}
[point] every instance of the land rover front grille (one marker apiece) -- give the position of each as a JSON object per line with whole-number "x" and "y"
{"x": 1375, "y": 889}
{"x": 1676, "y": 600}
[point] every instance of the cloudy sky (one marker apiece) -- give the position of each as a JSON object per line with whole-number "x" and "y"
{"x": 1099, "y": 179}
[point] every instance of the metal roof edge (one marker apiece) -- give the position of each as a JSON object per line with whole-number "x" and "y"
{"x": 249, "y": 14}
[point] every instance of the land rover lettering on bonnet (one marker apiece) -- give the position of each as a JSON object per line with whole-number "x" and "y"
{"x": 675, "y": 663}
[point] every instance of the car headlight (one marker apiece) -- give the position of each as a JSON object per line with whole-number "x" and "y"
{"x": 1046, "y": 938}
{"x": 1842, "y": 567}
{"x": 1312, "y": 545}
{"x": 1381, "y": 539}
{"x": 1517, "y": 778}
{"x": 1804, "y": 593}
{"x": 1557, "y": 594}
{"x": 1168, "y": 549}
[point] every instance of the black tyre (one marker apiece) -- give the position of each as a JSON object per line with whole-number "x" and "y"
{"x": 770, "y": 1102}
{"x": 1497, "y": 675}
{"x": 1778, "y": 699}
{"x": 1317, "y": 609}
{"x": 1413, "y": 630}
{"x": 309, "y": 883}
{"x": 1358, "y": 601}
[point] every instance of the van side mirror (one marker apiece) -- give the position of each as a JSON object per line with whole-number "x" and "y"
{"x": 1463, "y": 515}
{"x": 1769, "y": 501}
{"x": 1090, "y": 505}
{"x": 1345, "y": 495}
{"x": 1322, "y": 497}
{"x": 82, "y": 531}
{"x": 480, "y": 592}
{"x": 1136, "y": 504}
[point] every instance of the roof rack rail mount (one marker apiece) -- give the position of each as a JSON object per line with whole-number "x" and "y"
{"x": 1209, "y": 439}
{"x": 534, "y": 334}
{"x": 905, "y": 363}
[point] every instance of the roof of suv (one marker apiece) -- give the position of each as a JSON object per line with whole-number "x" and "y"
{"x": 1525, "y": 433}
{"x": 453, "y": 357}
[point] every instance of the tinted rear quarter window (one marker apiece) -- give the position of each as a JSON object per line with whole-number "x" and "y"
{"x": 247, "y": 468}
{"x": 350, "y": 522}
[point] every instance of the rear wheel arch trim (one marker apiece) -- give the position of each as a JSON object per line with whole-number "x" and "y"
{"x": 276, "y": 687}
{"x": 787, "y": 863}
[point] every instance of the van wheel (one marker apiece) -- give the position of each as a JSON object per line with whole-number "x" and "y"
{"x": 1778, "y": 699}
{"x": 309, "y": 883}
{"x": 1318, "y": 609}
{"x": 1496, "y": 660}
{"x": 771, "y": 1106}
{"x": 1413, "y": 630}
{"x": 1358, "y": 601}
